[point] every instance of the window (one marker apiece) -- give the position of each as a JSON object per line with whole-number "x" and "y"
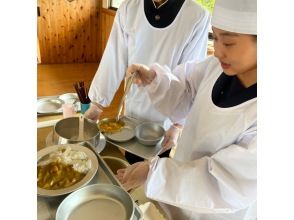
{"x": 208, "y": 4}
{"x": 115, "y": 3}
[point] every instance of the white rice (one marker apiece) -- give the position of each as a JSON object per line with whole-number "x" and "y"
{"x": 78, "y": 159}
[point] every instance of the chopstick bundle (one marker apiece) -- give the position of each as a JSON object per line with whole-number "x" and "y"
{"x": 82, "y": 92}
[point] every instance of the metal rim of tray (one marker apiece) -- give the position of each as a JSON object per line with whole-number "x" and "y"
{"x": 99, "y": 148}
{"x": 55, "y": 105}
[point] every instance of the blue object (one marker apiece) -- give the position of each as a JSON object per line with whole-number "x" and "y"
{"x": 84, "y": 107}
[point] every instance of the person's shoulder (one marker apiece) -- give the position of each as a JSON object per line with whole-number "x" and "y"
{"x": 194, "y": 6}
{"x": 209, "y": 64}
{"x": 194, "y": 10}
{"x": 209, "y": 60}
{"x": 129, "y": 4}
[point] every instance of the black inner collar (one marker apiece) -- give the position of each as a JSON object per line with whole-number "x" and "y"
{"x": 164, "y": 15}
{"x": 228, "y": 91}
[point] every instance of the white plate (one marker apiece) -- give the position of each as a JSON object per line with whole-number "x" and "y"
{"x": 90, "y": 174}
{"x": 125, "y": 134}
{"x": 49, "y": 105}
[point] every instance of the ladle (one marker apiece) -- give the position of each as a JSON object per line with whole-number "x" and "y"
{"x": 128, "y": 86}
{"x": 81, "y": 128}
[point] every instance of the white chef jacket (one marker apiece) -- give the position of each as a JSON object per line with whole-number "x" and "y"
{"x": 213, "y": 173}
{"x": 134, "y": 40}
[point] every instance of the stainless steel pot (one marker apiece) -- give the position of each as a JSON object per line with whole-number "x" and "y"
{"x": 66, "y": 131}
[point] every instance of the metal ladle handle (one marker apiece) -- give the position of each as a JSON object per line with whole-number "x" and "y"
{"x": 128, "y": 86}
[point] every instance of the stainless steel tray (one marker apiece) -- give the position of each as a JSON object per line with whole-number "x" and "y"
{"x": 47, "y": 207}
{"x": 133, "y": 146}
{"x": 58, "y": 101}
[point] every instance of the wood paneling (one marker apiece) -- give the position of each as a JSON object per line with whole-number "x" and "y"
{"x": 69, "y": 32}
{"x": 57, "y": 79}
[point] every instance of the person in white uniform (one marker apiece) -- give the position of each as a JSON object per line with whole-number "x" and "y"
{"x": 213, "y": 173}
{"x": 145, "y": 31}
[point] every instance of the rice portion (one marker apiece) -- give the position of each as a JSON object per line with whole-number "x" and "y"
{"x": 78, "y": 159}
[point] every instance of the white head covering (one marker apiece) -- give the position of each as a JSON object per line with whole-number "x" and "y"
{"x": 237, "y": 16}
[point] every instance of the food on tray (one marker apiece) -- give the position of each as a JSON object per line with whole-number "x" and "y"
{"x": 62, "y": 168}
{"x": 111, "y": 126}
{"x": 56, "y": 175}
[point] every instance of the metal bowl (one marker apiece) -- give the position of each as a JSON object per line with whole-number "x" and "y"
{"x": 97, "y": 201}
{"x": 115, "y": 163}
{"x": 67, "y": 131}
{"x": 112, "y": 126}
{"x": 149, "y": 133}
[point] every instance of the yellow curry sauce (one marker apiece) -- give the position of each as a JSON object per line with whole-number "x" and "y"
{"x": 57, "y": 175}
{"x": 111, "y": 126}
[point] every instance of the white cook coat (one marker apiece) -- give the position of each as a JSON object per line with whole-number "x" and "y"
{"x": 213, "y": 173}
{"x": 134, "y": 40}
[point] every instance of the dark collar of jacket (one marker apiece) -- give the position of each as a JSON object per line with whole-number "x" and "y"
{"x": 163, "y": 16}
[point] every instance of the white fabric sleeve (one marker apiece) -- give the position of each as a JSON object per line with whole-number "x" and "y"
{"x": 173, "y": 94}
{"x": 225, "y": 182}
{"x": 112, "y": 67}
{"x": 196, "y": 49}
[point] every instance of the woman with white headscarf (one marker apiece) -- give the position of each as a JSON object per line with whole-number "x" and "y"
{"x": 213, "y": 173}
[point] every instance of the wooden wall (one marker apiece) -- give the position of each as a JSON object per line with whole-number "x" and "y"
{"x": 69, "y": 32}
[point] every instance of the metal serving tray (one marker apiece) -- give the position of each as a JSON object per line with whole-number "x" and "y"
{"x": 52, "y": 105}
{"x": 133, "y": 146}
{"x": 47, "y": 207}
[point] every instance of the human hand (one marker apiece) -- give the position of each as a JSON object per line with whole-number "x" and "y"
{"x": 171, "y": 136}
{"x": 144, "y": 75}
{"x": 93, "y": 113}
{"x": 134, "y": 175}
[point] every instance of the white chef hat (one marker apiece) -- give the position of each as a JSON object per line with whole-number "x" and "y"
{"x": 237, "y": 16}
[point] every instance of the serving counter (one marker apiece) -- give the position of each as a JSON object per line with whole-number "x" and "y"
{"x": 47, "y": 206}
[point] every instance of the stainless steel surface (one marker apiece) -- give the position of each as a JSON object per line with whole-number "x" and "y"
{"x": 49, "y": 105}
{"x": 90, "y": 174}
{"x": 149, "y": 133}
{"x": 125, "y": 134}
{"x": 115, "y": 163}
{"x": 67, "y": 130}
{"x": 59, "y": 111}
{"x": 135, "y": 147}
{"x": 98, "y": 148}
{"x": 128, "y": 86}
{"x": 98, "y": 201}
{"x": 46, "y": 207}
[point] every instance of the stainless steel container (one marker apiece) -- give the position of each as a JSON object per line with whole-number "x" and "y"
{"x": 66, "y": 131}
{"x": 149, "y": 133}
{"x": 97, "y": 201}
{"x": 115, "y": 163}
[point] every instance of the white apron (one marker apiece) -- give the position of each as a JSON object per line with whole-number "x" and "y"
{"x": 213, "y": 173}
{"x": 134, "y": 40}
